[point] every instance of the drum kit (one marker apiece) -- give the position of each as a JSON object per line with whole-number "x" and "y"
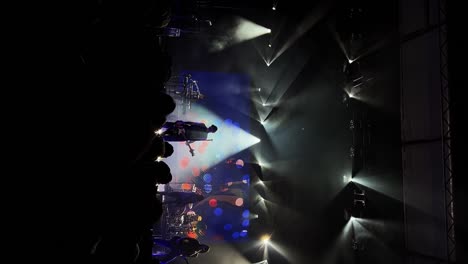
{"x": 180, "y": 224}
{"x": 177, "y": 220}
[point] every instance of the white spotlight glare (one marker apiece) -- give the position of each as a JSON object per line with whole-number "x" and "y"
{"x": 269, "y": 45}
{"x": 259, "y": 89}
{"x": 159, "y": 158}
{"x": 347, "y": 179}
{"x": 262, "y": 122}
{"x": 159, "y": 131}
{"x": 273, "y": 8}
{"x": 350, "y": 61}
{"x": 263, "y": 104}
{"x": 247, "y": 30}
{"x": 265, "y": 239}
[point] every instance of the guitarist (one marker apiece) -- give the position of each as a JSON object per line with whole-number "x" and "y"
{"x": 188, "y": 132}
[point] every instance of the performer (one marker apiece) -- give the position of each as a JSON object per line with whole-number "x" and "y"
{"x": 188, "y": 132}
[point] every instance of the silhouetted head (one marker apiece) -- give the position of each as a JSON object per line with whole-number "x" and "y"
{"x": 156, "y": 172}
{"x": 157, "y": 121}
{"x": 212, "y": 129}
{"x": 165, "y": 104}
{"x": 168, "y": 149}
{"x": 155, "y": 150}
{"x": 163, "y": 175}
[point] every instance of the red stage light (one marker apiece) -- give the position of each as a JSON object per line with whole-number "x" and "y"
{"x": 184, "y": 162}
{"x": 192, "y": 234}
{"x": 186, "y": 186}
{"x": 196, "y": 171}
{"x": 213, "y": 203}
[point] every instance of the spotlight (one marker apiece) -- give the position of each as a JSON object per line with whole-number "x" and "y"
{"x": 259, "y": 89}
{"x": 159, "y": 131}
{"x": 263, "y": 104}
{"x": 252, "y": 216}
{"x": 347, "y": 179}
{"x": 269, "y": 31}
{"x": 269, "y": 45}
{"x": 273, "y": 8}
{"x": 265, "y": 239}
{"x": 159, "y": 158}
{"x": 350, "y": 61}
{"x": 262, "y": 122}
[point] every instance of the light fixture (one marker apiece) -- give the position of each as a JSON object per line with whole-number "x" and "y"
{"x": 347, "y": 179}
{"x": 265, "y": 239}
